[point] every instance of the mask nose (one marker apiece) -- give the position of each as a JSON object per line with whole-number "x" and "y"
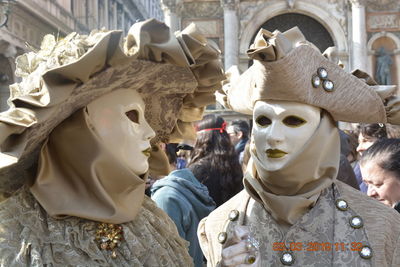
{"x": 148, "y": 132}
{"x": 275, "y": 134}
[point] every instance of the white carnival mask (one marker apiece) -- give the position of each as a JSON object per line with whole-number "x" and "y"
{"x": 118, "y": 119}
{"x": 281, "y": 129}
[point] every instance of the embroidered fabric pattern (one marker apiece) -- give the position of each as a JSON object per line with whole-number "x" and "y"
{"x": 35, "y": 239}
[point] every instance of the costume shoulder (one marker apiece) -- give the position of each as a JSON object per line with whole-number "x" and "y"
{"x": 30, "y": 237}
{"x": 211, "y": 226}
{"x": 382, "y": 224}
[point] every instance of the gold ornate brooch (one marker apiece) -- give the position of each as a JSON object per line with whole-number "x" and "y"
{"x": 109, "y": 237}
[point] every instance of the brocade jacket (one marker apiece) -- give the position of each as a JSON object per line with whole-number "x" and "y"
{"x": 344, "y": 228}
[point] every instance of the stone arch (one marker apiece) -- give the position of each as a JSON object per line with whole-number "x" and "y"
{"x": 271, "y": 10}
{"x": 314, "y": 31}
{"x": 393, "y": 44}
{"x": 378, "y": 35}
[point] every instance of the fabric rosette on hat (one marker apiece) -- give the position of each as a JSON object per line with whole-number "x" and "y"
{"x": 176, "y": 76}
{"x": 279, "y": 73}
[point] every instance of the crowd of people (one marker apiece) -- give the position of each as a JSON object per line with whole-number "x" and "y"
{"x": 107, "y": 159}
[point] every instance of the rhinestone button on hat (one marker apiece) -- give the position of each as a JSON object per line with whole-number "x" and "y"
{"x": 328, "y": 85}
{"x": 322, "y": 73}
{"x": 322, "y": 78}
{"x": 316, "y": 81}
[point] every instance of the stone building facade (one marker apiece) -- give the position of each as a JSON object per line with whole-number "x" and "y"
{"x": 30, "y": 20}
{"x": 366, "y": 32}
{"x": 360, "y": 29}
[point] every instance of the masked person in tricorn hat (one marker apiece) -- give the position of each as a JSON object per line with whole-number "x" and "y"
{"x": 76, "y": 140}
{"x": 294, "y": 211}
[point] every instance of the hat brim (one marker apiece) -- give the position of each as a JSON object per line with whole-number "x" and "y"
{"x": 290, "y": 79}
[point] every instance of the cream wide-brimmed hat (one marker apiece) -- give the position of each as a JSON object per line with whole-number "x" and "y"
{"x": 176, "y": 75}
{"x": 287, "y": 67}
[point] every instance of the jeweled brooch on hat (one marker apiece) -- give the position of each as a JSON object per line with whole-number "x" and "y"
{"x": 322, "y": 78}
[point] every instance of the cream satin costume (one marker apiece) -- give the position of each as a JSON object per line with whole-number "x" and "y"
{"x": 71, "y": 200}
{"x": 96, "y": 188}
{"x": 300, "y": 214}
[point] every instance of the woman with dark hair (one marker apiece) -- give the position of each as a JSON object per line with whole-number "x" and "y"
{"x": 214, "y": 161}
{"x": 380, "y": 167}
{"x": 368, "y": 135}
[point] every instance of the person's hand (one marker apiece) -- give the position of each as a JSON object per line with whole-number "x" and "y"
{"x": 244, "y": 251}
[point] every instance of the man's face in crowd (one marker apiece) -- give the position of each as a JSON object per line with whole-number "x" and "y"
{"x": 235, "y": 137}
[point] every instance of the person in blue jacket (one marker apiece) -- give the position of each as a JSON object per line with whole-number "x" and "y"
{"x": 186, "y": 201}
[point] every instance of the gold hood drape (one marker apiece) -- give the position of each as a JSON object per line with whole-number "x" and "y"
{"x": 78, "y": 176}
{"x": 290, "y": 192}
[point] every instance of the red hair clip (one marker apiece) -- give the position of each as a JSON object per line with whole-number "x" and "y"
{"x": 221, "y": 129}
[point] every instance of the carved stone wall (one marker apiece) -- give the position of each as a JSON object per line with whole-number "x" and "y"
{"x": 27, "y": 29}
{"x": 207, "y": 15}
{"x": 383, "y": 21}
{"x": 202, "y": 9}
{"x": 248, "y": 8}
{"x": 383, "y": 5}
{"x": 337, "y": 8}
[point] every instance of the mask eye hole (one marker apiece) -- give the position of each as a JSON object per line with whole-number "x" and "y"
{"x": 263, "y": 121}
{"x": 294, "y": 121}
{"x": 133, "y": 115}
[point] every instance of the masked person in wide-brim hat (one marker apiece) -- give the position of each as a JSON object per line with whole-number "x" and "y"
{"x": 294, "y": 211}
{"x": 76, "y": 140}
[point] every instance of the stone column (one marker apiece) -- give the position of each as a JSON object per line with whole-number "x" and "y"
{"x": 231, "y": 33}
{"x": 359, "y": 38}
{"x": 115, "y": 22}
{"x": 107, "y": 23}
{"x": 396, "y": 62}
{"x": 95, "y": 12}
{"x": 171, "y": 10}
{"x": 8, "y": 53}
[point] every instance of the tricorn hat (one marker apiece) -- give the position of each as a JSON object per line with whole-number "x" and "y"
{"x": 287, "y": 67}
{"x": 176, "y": 75}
